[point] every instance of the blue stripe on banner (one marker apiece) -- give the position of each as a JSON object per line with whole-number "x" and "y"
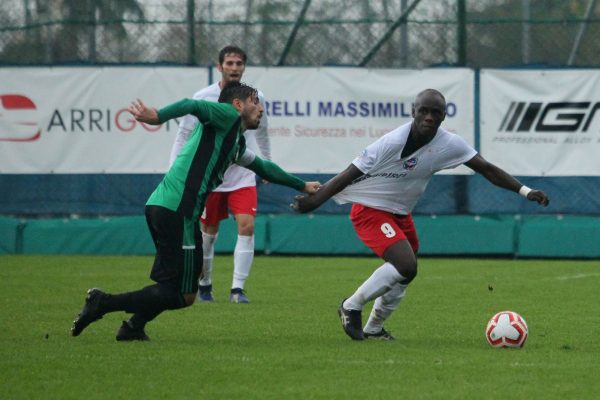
{"x": 116, "y": 195}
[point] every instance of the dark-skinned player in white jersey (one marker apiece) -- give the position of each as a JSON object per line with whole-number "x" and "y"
{"x": 384, "y": 183}
{"x": 173, "y": 209}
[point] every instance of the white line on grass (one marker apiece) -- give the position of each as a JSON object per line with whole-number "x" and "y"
{"x": 577, "y": 276}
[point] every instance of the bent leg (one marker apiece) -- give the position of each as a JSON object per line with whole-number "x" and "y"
{"x": 393, "y": 238}
{"x": 383, "y": 307}
{"x": 402, "y": 257}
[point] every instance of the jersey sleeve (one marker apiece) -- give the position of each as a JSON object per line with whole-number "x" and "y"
{"x": 457, "y": 152}
{"x": 201, "y": 109}
{"x": 186, "y": 127}
{"x": 273, "y": 173}
{"x": 188, "y": 123}
{"x": 370, "y": 156}
{"x": 246, "y": 157}
{"x": 262, "y": 133}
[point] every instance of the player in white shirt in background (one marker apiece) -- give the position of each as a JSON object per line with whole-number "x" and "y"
{"x": 237, "y": 193}
{"x": 384, "y": 183}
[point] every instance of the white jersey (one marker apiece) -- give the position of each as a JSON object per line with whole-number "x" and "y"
{"x": 235, "y": 177}
{"x": 395, "y": 184}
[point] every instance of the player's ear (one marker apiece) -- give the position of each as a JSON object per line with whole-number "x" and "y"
{"x": 237, "y": 103}
{"x": 219, "y": 67}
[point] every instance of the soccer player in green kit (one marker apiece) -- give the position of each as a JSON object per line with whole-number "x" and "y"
{"x": 173, "y": 209}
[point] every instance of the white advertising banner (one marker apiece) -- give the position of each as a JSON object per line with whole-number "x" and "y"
{"x": 543, "y": 122}
{"x": 75, "y": 120}
{"x": 321, "y": 118}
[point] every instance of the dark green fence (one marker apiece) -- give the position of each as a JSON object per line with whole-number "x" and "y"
{"x": 383, "y": 34}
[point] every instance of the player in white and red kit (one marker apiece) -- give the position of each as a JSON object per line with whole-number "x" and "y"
{"x": 237, "y": 193}
{"x": 384, "y": 183}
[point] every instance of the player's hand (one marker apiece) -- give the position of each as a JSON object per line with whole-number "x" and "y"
{"x": 142, "y": 113}
{"x": 304, "y": 203}
{"x": 311, "y": 187}
{"x": 539, "y": 196}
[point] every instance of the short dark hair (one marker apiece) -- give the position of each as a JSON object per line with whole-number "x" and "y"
{"x": 232, "y": 50}
{"x": 433, "y": 92}
{"x": 236, "y": 90}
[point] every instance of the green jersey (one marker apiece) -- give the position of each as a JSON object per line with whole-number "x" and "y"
{"x": 215, "y": 143}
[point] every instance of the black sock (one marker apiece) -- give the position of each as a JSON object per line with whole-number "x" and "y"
{"x": 147, "y": 302}
{"x": 137, "y": 321}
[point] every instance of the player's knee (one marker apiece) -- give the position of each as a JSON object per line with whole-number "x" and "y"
{"x": 246, "y": 228}
{"x": 210, "y": 229}
{"x": 408, "y": 270}
{"x": 410, "y": 275}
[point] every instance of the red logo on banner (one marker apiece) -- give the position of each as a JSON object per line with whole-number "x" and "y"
{"x": 17, "y": 122}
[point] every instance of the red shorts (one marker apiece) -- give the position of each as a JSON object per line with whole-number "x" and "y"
{"x": 380, "y": 229}
{"x": 218, "y": 204}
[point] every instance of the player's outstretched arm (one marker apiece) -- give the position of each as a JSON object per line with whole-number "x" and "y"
{"x": 273, "y": 173}
{"x": 178, "y": 109}
{"x": 503, "y": 179}
{"x": 335, "y": 185}
{"x": 142, "y": 113}
{"x": 311, "y": 187}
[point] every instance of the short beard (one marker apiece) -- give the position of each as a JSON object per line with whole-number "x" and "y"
{"x": 253, "y": 125}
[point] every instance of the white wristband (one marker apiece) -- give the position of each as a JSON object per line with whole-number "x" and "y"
{"x": 524, "y": 191}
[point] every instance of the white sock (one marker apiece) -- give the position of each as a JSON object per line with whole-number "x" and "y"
{"x": 208, "y": 250}
{"x": 242, "y": 260}
{"x": 384, "y": 307}
{"x": 378, "y": 283}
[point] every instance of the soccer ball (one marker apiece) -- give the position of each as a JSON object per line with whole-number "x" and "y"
{"x": 506, "y": 329}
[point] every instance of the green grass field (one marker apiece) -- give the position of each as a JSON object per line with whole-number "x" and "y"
{"x": 288, "y": 342}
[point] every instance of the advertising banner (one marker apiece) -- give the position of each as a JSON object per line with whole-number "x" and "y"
{"x": 75, "y": 120}
{"x": 543, "y": 122}
{"x": 321, "y": 118}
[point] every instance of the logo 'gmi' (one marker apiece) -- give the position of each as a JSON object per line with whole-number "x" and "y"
{"x": 549, "y": 117}
{"x": 17, "y": 119}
